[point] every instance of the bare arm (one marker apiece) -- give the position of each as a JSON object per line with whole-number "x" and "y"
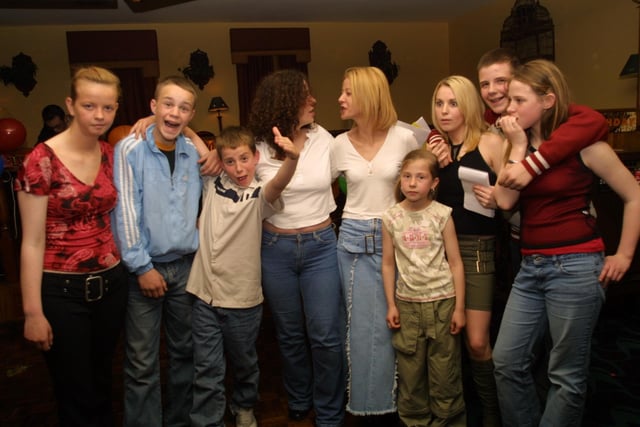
{"x": 389, "y": 279}
{"x": 492, "y": 147}
{"x": 209, "y": 162}
{"x": 201, "y": 147}
{"x": 458, "y": 320}
{"x": 604, "y": 162}
{"x": 506, "y": 197}
{"x": 139, "y": 128}
{"x": 33, "y": 213}
{"x": 279, "y": 182}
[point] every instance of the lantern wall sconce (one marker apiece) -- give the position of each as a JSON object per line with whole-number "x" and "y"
{"x": 217, "y": 106}
{"x": 21, "y": 73}
{"x": 199, "y": 71}
{"x": 380, "y": 57}
{"x": 528, "y": 31}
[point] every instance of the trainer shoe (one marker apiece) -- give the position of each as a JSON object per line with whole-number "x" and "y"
{"x": 245, "y": 418}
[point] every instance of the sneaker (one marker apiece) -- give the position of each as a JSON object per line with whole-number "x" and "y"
{"x": 245, "y": 418}
{"x": 297, "y": 415}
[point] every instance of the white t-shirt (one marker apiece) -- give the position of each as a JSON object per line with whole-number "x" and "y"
{"x": 308, "y": 199}
{"x": 370, "y": 185}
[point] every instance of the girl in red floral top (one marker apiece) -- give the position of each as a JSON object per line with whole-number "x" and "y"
{"x": 73, "y": 286}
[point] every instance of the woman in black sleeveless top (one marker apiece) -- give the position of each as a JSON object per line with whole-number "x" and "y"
{"x": 457, "y": 113}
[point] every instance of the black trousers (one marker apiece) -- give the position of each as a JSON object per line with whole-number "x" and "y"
{"x": 86, "y": 314}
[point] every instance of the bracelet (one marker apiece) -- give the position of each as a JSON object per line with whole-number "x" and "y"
{"x": 512, "y": 162}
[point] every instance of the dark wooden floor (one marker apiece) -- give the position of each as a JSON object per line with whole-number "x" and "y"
{"x": 26, "y": 396}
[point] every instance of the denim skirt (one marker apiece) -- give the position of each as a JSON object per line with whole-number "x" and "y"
{"x": 370, "y": 355}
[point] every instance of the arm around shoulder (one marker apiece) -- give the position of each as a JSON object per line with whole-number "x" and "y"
{"x": 583, "y": 127}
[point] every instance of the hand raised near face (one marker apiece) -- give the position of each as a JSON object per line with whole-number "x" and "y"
{"x": 291, "y": 150}
{"x": 512, "y": 131}
{"x": 439, "y": 147}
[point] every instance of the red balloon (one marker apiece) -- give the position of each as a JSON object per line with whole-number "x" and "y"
{"x": 12, "y": 134}
{"x": 117, "y": 133}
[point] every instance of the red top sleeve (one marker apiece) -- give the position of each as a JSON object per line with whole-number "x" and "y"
{"x": 584, "y": 127}
{"x": 434, "y": 136}
{"x": 490, "y": 117}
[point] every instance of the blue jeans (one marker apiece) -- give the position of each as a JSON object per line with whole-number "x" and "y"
{"x": 563, "y": 291}
{"x": 302, "y": 286}
{"x": 217, "y": 331}
{"x": 370, "y": 355}
{"x": 142, "y": 401}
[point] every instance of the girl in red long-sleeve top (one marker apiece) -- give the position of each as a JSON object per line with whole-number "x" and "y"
{"x": 561, "y": 284}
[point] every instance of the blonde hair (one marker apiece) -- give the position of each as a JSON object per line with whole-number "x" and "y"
{"x": 370, "y": 91}
{"x": 234, "y": 137}
{"x": 96, "y": 75}
{"x": 181, "y": 82}
{"x": 544, "y": 77}
{"x": 412, "y": 156}
{"x": 470, "y": 105}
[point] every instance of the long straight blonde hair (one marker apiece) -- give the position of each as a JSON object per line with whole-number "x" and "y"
{"x": 470, "y": 105}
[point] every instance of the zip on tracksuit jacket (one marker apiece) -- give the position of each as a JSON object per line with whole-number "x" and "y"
{"x": 155, "y": 217}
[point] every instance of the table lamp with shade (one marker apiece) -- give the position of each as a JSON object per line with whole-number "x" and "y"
{"x": 218, "y": 105}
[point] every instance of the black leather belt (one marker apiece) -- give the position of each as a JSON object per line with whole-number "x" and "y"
{"x": 94, "y": 286}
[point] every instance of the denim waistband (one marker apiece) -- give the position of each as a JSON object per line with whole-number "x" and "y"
{"x": 542, "y": 259}
{"x": 361, "y": 236}
{"x": 301, "y": 236}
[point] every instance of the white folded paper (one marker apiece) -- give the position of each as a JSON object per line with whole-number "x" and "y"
{"x": 470, "y": 177}
{"x": 420, "y": 129}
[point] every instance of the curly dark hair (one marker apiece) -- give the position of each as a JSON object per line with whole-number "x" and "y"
{"x": 277, "y": 102}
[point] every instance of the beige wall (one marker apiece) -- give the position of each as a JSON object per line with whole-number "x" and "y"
{"x": 593, "y": 40}
{"x": 419, "y": 49}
